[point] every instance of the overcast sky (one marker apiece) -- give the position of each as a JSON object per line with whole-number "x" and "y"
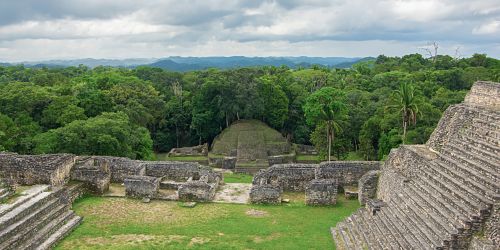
{"x": 68, "y": 29}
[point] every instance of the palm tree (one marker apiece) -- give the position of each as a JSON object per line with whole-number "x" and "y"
{"x": 332, "y": 126}
{"x": 407, "y": 105}
{"x": 326, "y": 106}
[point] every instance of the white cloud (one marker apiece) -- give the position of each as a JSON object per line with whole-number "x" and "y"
{"x": 119, "y": 29}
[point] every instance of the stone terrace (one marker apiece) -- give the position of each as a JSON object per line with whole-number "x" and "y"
{"x": 439, "y": 195}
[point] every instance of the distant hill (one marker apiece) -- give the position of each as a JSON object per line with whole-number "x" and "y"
{"x": 176, "y": 63}
{"x": 346, "y": 65}
{"x": 199, "y": 63}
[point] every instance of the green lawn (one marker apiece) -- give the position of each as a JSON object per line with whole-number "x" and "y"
{"x": 237, "y": 178}
{"x": 119, "y": 223}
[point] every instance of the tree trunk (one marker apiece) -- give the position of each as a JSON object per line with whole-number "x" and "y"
{"x": 227, "y": 121}
{"x": 177, "y": 135}
{"x": 329, "y": 142}
{"x": 404, "y": 132}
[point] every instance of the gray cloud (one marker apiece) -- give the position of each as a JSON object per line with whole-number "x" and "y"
{"x": 208, "y": 27}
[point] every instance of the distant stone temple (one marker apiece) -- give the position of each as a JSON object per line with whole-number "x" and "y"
{"x": 441, "y": 195}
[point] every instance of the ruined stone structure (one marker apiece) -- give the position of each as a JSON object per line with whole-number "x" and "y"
{"x": 42, "y": 216}
{"x": 321, "y": 192}
{"x": 442, "y": 195}
{"x": 248, "y": 146}
{"x": 266, "y": 194}
{"x": 297, "y": 177}
{"x": 367, "y": 186}
{"x": 200, "y": 150}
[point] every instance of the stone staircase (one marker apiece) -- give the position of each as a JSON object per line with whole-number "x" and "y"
{"x": 435, "y": 198}
{"x": 38, "y": 218}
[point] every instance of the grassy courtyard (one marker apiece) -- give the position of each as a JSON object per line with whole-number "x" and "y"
{"x": 119, "y": 223}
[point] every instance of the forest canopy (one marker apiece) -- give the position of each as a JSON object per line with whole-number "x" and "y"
{"x": 135, "y": 112}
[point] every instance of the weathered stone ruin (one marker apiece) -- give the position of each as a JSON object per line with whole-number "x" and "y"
{"x": 266, "y": 194}
{"x": 321, "y": 192}
{"x": 42, "y": 216}
{"x": 39, "y": 169}
{"x": 367, "y": 185}
{"x": 140, "y": 186}
{"x": 442, "y": 195}
{"x": 297, "y": 177}
{"x": 200, "y": 150}
{"x": 248, "y": 146}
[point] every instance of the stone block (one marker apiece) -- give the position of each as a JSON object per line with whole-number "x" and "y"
{"x": 142, "y": 186}
{"x": 197, "y": 191}
{"x": 229, "y": 162}
{"x": 93, "y": 172}
{"x": 367, "y": 185}
{"x": 321, "y": 192}
{"x": 265, "y": 194}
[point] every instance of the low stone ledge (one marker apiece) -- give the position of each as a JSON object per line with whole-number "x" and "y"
{"x": 229, "y": 162}
{"x": 93, "y": 172}
{"x": 321, "y": 192}
{"x": 265, "y": 194}
{"x": 197, "y": 191}
{"x": 142, "y": 186}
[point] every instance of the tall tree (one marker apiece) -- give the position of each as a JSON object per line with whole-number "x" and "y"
{"x": 326, "y": 107}
{"x": 406, "y": 104}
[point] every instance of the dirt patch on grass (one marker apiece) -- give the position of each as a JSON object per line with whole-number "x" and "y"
{"x": 256, "y": 213}
{"x": 198, "y": 241}
{"x": 124, "y": 240}
{"x": 126, "y": 211}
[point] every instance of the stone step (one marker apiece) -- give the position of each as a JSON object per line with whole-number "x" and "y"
{"x": 355, "y": 236}
{"x": 24, "y": 209}
{"x": 25, "y": 196}
{"x": 28, "y": 220}
{"x": 362, "y": 237}
{"x": 490, "y": 123}
{"x": 492, "y": 142}
{"x": 457, "y": 197}
{"x": 371, "y": 240}
{"x": 432, "y": 195}
{"x": 431, "y": 234}
{"x": 478, "y": 178}
{"x": 390, "y": 238}
{"x": 337, "y": 238}
{"x": 456, "y": 157}
{"x": 444, "y": 211}
{"x": 478, "y": 142}
{"x": 429, "y": 214}
{"x": 462, "y": 189}
{"x": 475, "y": 149}
{"x": 474, "y": 183}
{"x": 409, "y": 225}
{"x": 31, "y": 229}
{"x": 344, "y": 235}
{"x": 57, "y": 229}
{"x": 407, "y": 240}
{"x": 375, "y": 230}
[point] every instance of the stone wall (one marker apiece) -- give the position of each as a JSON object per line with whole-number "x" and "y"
{"x": 200, "y": 150}
{"x": 173, "y": 170}
{"x": 265, "y": 194}
{"x": 142, "y": 186}
{"x": 484, "y": 94}
{"x": 367, "y": 186}
{"x": 281, "y": 159}
{"x": 347, "y": 173}
{"x": 290, "y": 177}
{"x": 51, "y": 169}
{"x": 197, "y": 191}
{"x": 305, "y": 149}
{"x": 94, "y": 172}
{"x": 296, "y": 177}
{"x": 121, "y": 167}
{"x": 321, "y": 192}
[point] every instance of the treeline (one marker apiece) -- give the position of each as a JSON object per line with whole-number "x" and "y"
{"x": 133, "y": 112}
